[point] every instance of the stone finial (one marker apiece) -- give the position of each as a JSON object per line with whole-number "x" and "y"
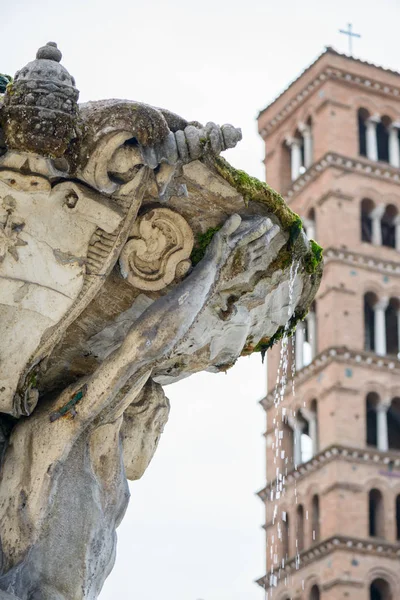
{"x": 49, "y": 52}
{"x": 40, "y": 106}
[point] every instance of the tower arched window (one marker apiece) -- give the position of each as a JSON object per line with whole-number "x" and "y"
{"x": 372, "y": 401}
{"x": 300, "y": 528}
{"x": 309, "y": 224}
{"x": 388, "y": 226}
{"x": 313, "y": 427}
{"x": 315, "y": 533}
{"x": 380, "y": 590}
{"x": 370, "y": 300}
{"x": 296, "y": 148}
{"x": 382, "y": 135}
{"x": 393, "y": 424}
{"x": 376, "y": 514}
{"x": 306, "y": 339}
{"x": 363, "y": 115}
{"x": 285, "y": 538}
{"x": 367, "y": 207}
{"x": 314, "y": 593}
{"x": 391, "y": 322}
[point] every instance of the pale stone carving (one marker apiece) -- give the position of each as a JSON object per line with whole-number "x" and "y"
{"x": 159, "y": 250}
{"x": 131, "y": 256}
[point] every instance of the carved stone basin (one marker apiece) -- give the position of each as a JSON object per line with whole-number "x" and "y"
{"x": 131, "y": 255}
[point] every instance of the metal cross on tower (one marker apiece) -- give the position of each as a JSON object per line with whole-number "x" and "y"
{"x": 350, "y": 33}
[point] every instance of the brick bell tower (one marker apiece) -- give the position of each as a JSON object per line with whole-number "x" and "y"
{"x": 332, "y": 496}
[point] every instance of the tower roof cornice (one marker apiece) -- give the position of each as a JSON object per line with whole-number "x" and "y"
{"x": 330, "y": 64}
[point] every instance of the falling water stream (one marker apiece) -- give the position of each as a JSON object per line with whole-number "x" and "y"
{"x": 281, "y": 417}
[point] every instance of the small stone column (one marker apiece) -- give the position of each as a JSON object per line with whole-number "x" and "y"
{"x": 297, "y": 431}
{"x": 313, "y": 431}
{"x": 295, "y": 156}
{"x": 398, "y": 331}
{"x": 309, "y": 226}
{"x": 380, "y": 326}
{"x": 394, "y": 145}
{"x": 308, "y": 147}
{"x": 312, "y": 333}
{"x": 299, "y": 342}
{"x": 376, "y": 215}
{"x": 382, "y": 427}
{"x": 371, "y": 137}
{"x": 397, "y": 232}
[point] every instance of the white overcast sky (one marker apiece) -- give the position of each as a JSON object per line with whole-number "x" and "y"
{"x": 192, "y": 530}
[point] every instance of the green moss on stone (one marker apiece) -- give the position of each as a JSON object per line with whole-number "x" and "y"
{"x": 202, "y": 241}
{"x": 314, "y": 258}
{"x": 254, "y": 190}
{"x": 266, "y": 343}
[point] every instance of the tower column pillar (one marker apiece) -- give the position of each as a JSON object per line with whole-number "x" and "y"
{"x": 308, "y": 146}
{"x": 297, "y": 431}
{"x": 382, "y": 427}
{"x": 394, "y": 145}
{"x": 312, "y": 333}
{"x": 309, "y": 226}
{"x": 295, "y": 156}
{"x": 376, "y": 215}
{"x": 299, "y": 342}
{"x": 371, "y": 137}
{"x": 380, "y": 326}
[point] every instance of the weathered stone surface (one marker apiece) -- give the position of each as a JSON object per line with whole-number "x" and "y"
{"x": 130, "y": 257}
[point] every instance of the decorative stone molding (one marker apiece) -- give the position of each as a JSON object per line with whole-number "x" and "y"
{"x": 329, "y": 73}
{"x": 334, "y": 544}
{"x": 338, "y": 354}
{"x": 378, "y": 170}
{"x": 346, "y": 453}
{"x": 158, "y": 251}
{"x": 386, "y": 267}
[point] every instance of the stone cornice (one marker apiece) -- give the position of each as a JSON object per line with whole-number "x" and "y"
{"x": 337, "y": 354}
{"x": 317, "y": 551}
{"x": 346, "y": 453}
{"x": 359, "y": 165}
{"x": 387, "y": 267}
{"x": 328, "y": 73}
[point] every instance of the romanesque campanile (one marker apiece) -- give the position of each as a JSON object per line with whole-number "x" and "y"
{"x": 332, "y": 495}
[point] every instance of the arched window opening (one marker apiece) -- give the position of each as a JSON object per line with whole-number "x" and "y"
{"x": 306, "y": 444}
{"x": 382, "y": 136}
{"x": 370, "y": 299}
{"x": 376, "y": 514}
{"x": 315, "y": 534}
{"x": 286, "y": 170}
{"x": 296, "y": 148}
{"x": 300, "y": 528}
{"x": 367, "y": 207}
{"x": 388, "y": 226}
{"x": 380, "y": 590}
{"x": 313, "y": 427}
{"x": 391, "y": 322}
{"x": 306, "y": 339}
{"x": 309, "y": 224}
{"x": 285, "y": 538}
{"x": 372, "y": 401}
{"x": 314, "y": 593}
{"x": 393, "y": 423}
{"x": 363, "y": 115}
{"x": 398, "y": 518}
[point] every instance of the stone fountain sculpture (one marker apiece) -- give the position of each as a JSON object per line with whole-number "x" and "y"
{"x": 131, "y": 255}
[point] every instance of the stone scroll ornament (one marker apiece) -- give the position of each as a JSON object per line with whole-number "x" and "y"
{"x": 131, "y": 255}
